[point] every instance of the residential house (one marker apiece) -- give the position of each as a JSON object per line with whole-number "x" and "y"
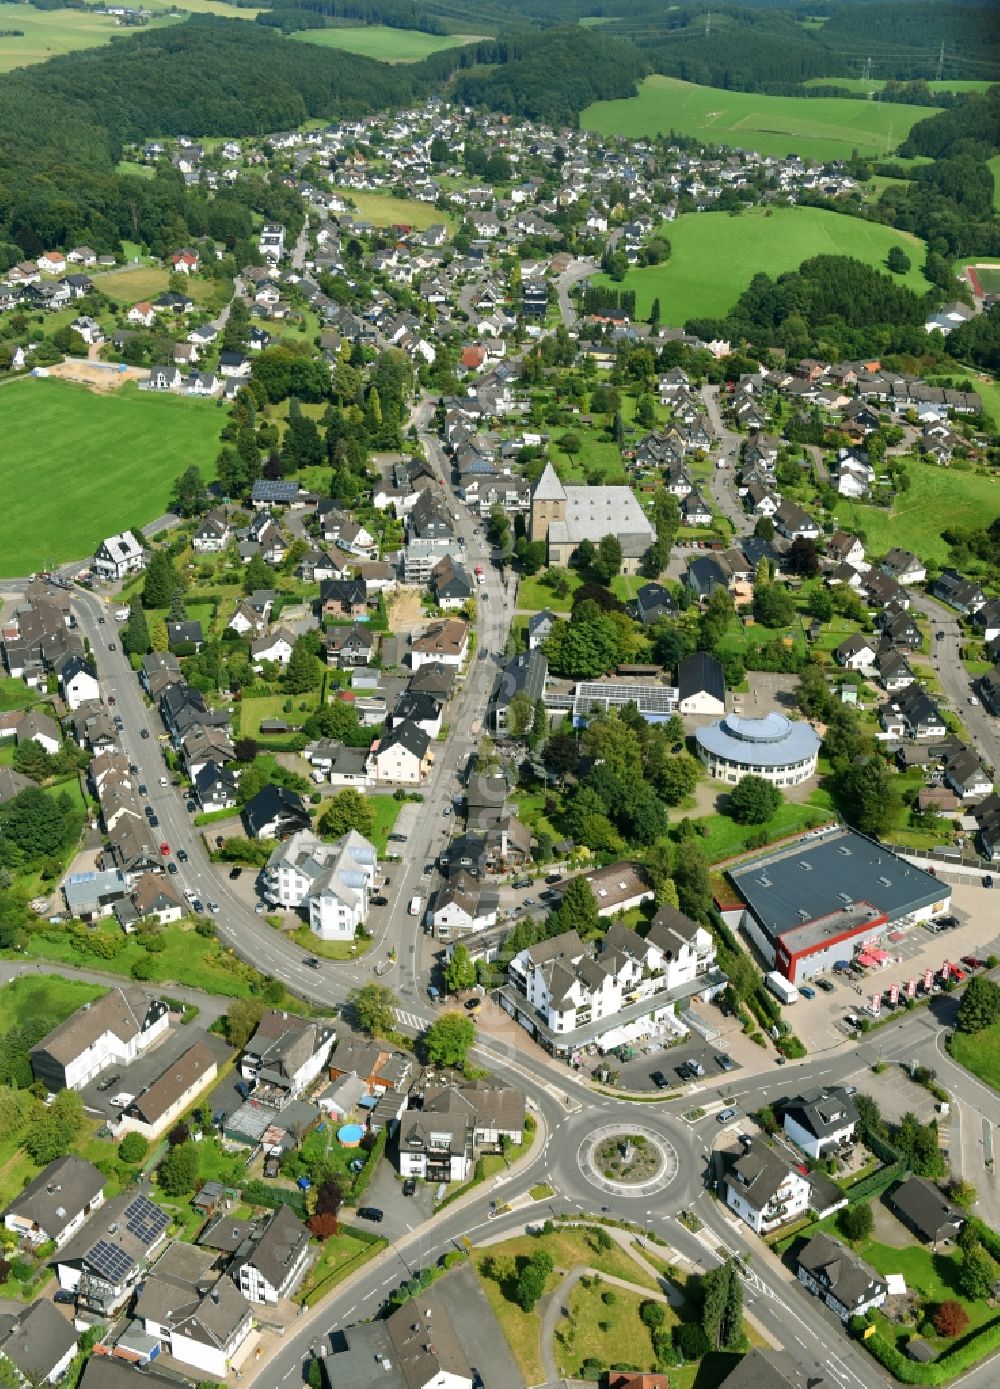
{"x": 765, "y": 1190}
{"x": 153, "y": 896}
{"x": 106, "y": 1260}
{"x": 445, "y": 642}
{"x": 821, "y": 1121}
{"x": 55, "y": 1204}
{"x": 215, "y": 787}
{"x": 200, "y": 1321}
{"x": 154, "y": 1111}
{"x": 276, "y": 648}
{"x": 844, "y": 548}
{"x": 989, "y": 689}
{"x": 923, "y": 1208}
{"x": 440, "y": 1141}
{"x": 418, "y": 707}
{"x": 912, "y": 713}
{"x": 701, "y": 685}
{"x": 904, "y": 567}
{"x": 37, "y": 727}
{"x": 343, "y": 597}
{"x": 414, "y": 1348}
{"x": 350, "y": 647}
{"x": 893, "y": 671}
{"x": 279, "y": 1254}
{"x": 795, "y": 523}
{"x": 401, "y": 755}
{"x": 841, "y": 1279}
{"x": 118, "y": 556}
{"x": 213, "y": 534}
{"x": 38, "y": 1342}
{"x": 462, "y": 906}
{"x": 964, "y": 595}
{"x": 652, "y": 602}
{"x": 857, "y": 652}
{"x": 765, "y": 1369}
{"x": 286, "y": 1053}
{"x": 540, "y": 627}
{"x": 964, "y": 773}
{"x": 695, "y": 511}
{"x": 450, "y": 584}
{"x": 330, "y": 882}
{"x": 112, "y": 1031}
{"x": 704, "y": 574}
{"x": 523, "y": 678}
{"x": 158, "y": 670}
{"x": 275, "y": 813}
{"x": 184, "y": 634}
{"x": 78, "y": 680}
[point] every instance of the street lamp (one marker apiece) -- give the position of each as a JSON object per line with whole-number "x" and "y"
{"x": 648, "y": 1214}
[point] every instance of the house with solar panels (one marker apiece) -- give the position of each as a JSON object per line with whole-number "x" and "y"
{"x": 105, "y": 1261}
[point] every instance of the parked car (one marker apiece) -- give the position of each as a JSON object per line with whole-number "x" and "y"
{"x": 397, "y": 838}
{"x": 171, "y": 867}
{"x": 379, "y": 901}
{"x": 521, "y": 882}
{"x": 196, "y": 905}
{"x": 213, "y": 907}
{"x": 473, "y": 1005}
{"x": 554, "y": 878}
{"x": 112, "y": 646}
{"x": 724, "y": 1116}
{"x": 108, "y": 1083}
{"x": 142, "y": 789}
{"x": 191, "y": 807}
{"x": 243, "y": 1090}
{"x": 726, "y": 1062}
{"x": 409, "y": 1186}
{"x": 234, "y": 873}
{"x": 164, "y": 848}
{"x": 371, "y": 1213}
{"x": 154, "y": 821}
{"x": 659, "y": 1080}
{"x": 806, "y": 991}
{"x": 825, "y": 985}
{"x": 144, "y": 733}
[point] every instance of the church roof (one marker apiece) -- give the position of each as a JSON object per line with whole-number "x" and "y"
{"x": 549, "y": 488}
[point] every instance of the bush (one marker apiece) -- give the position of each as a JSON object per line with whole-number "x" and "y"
{"x": 950, "y": 1319}
{"x": 856, "y": 1222}
{"x": 691, "y": 1340}
{"x": 133, "y": 1148}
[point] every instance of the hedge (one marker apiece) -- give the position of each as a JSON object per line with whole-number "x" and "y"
{"x": 952, "y": 1362}
{"x": 256, "y": 1193}
{"x": 988, "y": 1238}
{"x": 876, "y": 1183}
{"x": 363, "y": 1179}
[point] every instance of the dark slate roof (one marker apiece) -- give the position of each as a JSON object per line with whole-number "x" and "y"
{"x": 274, "y": 802}
{"x": 265, "y": 490}
{"x": 823, "y": 1112}
{"x": 700, "y": 672}
{"x": 926, "y": 1208}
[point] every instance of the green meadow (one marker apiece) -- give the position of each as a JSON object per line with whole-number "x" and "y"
{"x": 813, "y": 127}
{"x": 100, "y": 464}
{"x": 715, "y": 256}
{"x": 387, "y": 45}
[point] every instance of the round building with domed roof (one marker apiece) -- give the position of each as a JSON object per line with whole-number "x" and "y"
{"x": 781, "y": 750}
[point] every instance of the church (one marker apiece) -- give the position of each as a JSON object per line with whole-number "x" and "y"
{"x": 565, "y": 516}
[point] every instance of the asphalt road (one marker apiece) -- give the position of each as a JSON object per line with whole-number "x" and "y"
{"x": 724, "y": 479}
{"x": 955, "y": 681}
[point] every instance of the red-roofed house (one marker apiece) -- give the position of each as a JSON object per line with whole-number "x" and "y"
{"x": 473, "y": 358}
{"x": 186, "y": 262}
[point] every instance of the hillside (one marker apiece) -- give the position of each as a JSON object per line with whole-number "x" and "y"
{"x": 814, "y": 127}
{"x": 715, "y": 256}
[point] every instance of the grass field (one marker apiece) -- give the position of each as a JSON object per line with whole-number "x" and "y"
{"x": 383, "y": 210}
{"x": 387, "y": 45}
{"x": 187, "y": 958}
{"x": 715, "y": 256}
{"x": 129, "y": 286}
{"x": 978, "y": 1052}
{"x": 994, "y": 164}
{"x": 990, "y": 280}
{"x": 98, "y": 463}
{"x": 915, "y": 521}
{"x": 46, "y": 997}
{"x": 814, "y": 127}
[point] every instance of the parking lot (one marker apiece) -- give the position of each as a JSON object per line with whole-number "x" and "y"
{"x": 637, "y": 1074}
{"x": 819, "y": 1021}
{"x": 133, "y": 1079}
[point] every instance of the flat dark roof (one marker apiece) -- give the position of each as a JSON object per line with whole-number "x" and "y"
{"x": 828, "y": 871}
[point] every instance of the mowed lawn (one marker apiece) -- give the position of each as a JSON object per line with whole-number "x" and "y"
{"x": 80, "y": 466}
{"x": 387, "y": 45}
{"x": 715, "y": 256}
{"x": 383, "y": 210}
{"x": 978, "y": 1052}
{"x": 937, "y": 497}
{"x": 814, "y": 127}
{"x": 49, "y": 33}
{"x": 45, "y": 998}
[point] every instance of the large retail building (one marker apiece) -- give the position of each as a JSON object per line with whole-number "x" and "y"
{"x": 819, "y": 901}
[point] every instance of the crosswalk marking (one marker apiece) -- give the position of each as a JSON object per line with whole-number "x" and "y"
{"x": 409, "y": 1020}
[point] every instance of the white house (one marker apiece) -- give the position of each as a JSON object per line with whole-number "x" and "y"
{"x": 835, "y": 1274}
{"x": 276, "y": 647}
{"x": 78, "y": 681}
{"x": 112, "y": 1031}
{"x": 201, "y": 1328}
{"x": 821, "y": 1121}
{"x": 462, "y": 906}
{"x": 401, "y": 755}
{"x": 441, "y": 1141}
{"x": 55, "y": 1204}
{"x": 38, "y": 1342}
{"x": 330, "y": 882}
{"x": 277, "y": 1260}
{"x": 445, "y": 642}
{"x": 119, "y": 555}
{"x": 857, "y": 652}
{"x": 174, "y": 1090}
{"x": 765, "y": 1190}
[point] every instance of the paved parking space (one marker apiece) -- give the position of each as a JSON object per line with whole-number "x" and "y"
{"x": 144, "y": 1070}
{"x": 896, "y": 1093}
{"x": 637, "y": 1073}
{"x": 402, "y": 1213}
{"x": 478, "y": 1331}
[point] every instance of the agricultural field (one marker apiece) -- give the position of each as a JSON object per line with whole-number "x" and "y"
{"x": 104, "y": 462}
{"x": 132, "y": 285}
{"x": 716, "y": 255}
{"x": 46, "y": 999}
{"x": 387, "y": 45}
{"x": 383, "y": 210}
{"x": 915, "y": 521}
{"x": 994, "y": 164}
{"x": 814, "y": 127}
{"x": 49, "y": 33}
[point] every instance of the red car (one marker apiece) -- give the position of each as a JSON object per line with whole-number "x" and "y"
{"x": 958, "y": 974}
{"x": 972, "y": 962}
{"x": 164, "y": 848}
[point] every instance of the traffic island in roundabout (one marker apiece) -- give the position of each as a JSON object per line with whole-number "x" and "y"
{"x": 627, "y": 1160}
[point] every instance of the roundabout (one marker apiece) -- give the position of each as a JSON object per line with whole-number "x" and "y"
{"x": 627, "y": 1160}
